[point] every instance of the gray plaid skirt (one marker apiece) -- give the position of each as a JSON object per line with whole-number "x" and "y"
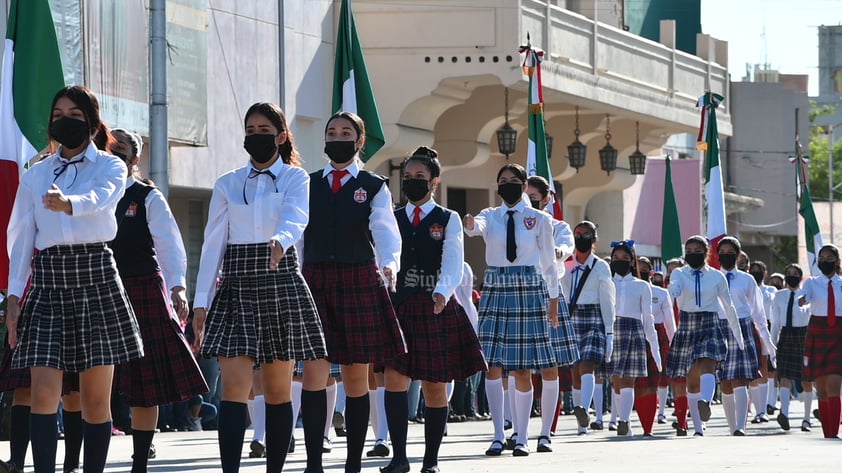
{"x": 697, "y": 336}
{"x": 791, "y": 353}
{"x": 739, "y": 364}
{"x": 589, "y": 330}
{"x": 76, "y": 313}
{"x": 563, "y": 337}
{"x": 628, "y": 360}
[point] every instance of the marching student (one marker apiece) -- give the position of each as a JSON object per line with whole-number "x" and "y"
{"x": 151, "y": 259}
{"x": 352, "y": 250}
{"x": 789, "y": 331}
{"x": 520, "y": 282}
{"x": 262, "y": 311}
{"x": 699, "y": 343}
{"x": 763, "y": 392}
{"x": 64, "y": 209}
{"x": 823, "y": 345}
{"x": 441, "y": 342}
{"x": 587, "y": 279}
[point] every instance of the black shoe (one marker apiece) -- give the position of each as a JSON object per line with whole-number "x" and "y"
{"x": 816, "y": 414}
{"x": 152, "y": 452}
{"x": 339, "y": 424}
{"x": 507, "y": 424}
{"x": 544, "y": 447}
{"x": 596, "y": 425}
{"x": 380, "y": 450}
{"x": 9, "y": 468}
{"x": 520, "y": 450}
{"x": 431, "y": 469}
{"x": 806, "y": 426}
{"x": 680, "y": 432}
{"x": 495, "y": 449}
{"x": 622, "y": 428}
{"x": 258, "y": 450}
{"x": 770, "y": 409}
{"x": 783, "y": 421}
{"x": 739, "y": 433}
{"x": 582, "y": 416}
{"x": 704, "y": 410}
{"x": 511, "y": 442}
{"x": 390, "y": 468}
{"x": 327, "y": 445}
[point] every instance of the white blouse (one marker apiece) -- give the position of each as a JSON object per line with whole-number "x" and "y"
{"x": 815, "y": 292}
{"x": 748, "y": 302}
{"x": 634, "y": 301}
{"x": 800, "y": 314}
{"x": 598, "y": 288}
{"x": 662, "y": 310}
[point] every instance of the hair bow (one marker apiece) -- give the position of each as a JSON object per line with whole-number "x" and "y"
{"x": 628, "y": 243}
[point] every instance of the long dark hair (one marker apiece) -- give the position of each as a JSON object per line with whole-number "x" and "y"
{"x": 85, "y": 99}
{"x": 273, "y": 113}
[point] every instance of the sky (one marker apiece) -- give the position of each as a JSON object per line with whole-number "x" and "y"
{"x": 780, "y": 33}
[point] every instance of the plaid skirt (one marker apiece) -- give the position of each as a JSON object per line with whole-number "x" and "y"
{"x": 563, "y": 338}
{"x": 664, "y": 347}
{"x": 739, "y": 364}
{"x": 359, "y": 321}
{"x": 441, "y": 347}
{"x": 298, "y": 370}
{"x": 791, "y": 353}
{"x": 265, "y": 314}
{"x": 11, "y": 379}
{"x": 629, "y": 358}
{"x": 589, "y": 330}
{"x": 697, "y": 336}
{"x": 76, "y": 314}
{"x": 822, "y": 348}
{"x": 168, "y": 371}
{"x": 513, "y": 324}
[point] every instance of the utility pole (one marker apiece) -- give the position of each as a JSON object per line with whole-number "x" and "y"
{"x": 158, "y": 132}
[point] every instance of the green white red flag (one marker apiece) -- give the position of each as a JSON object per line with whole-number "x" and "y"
{"x": 708, "y": 143}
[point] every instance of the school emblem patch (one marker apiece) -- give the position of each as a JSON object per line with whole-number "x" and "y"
{"x": 654, "y": 299}
{"x": 360, "y": 195}
{"x": 529, "y": 222}
{"x": 132, "y": 210}
{"x": 436, "y": 231}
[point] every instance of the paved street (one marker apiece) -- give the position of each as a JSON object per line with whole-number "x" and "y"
{"x": 766, "y": 449}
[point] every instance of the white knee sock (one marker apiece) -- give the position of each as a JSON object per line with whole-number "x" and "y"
{"x": 730, "y": 414}
{"x": 507, "y": 404}
{"x": 549, "y": 401}
{"x": 372, "y": 412}
{"x": 259, "y": 419}
{"x": 587, "y": 390}
{"x": 523, "y": 406}
{"x": 615, "y": 405}
{"x": 708, "y": 382}
{"x": 758, "y": 398}
{"x": 598, "y": 401}
{"x": 577, "y": 397}
{"x": 807, "y": 399}
{"x": 382, "y": 423}
{"x": 785, "y": 401}
{"x": 494, "y": 394}
{"x": 771, "y": 393}
{"x": 296, "y": 401}
{"x": 340, "y": 397}
{"x": 693, "y": 399}
{"x": 513, "y": 404}
{"x": 626, "y": 403}
{"x": 330, "y": 393}
{"x": 740, "y": 407}
{"x": 662, "y": 400}
{"x": 250, "y": 407}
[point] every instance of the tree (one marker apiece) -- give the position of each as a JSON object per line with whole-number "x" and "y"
{"x": 819, "y": 157}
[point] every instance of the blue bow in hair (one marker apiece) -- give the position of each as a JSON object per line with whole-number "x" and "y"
{"x": 628, "y": 243}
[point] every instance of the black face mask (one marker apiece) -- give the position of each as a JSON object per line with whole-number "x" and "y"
{"x": 536, "y": 204}
{"x": 828, "y": 268}
{"x": 644, "y": 275}
{"x": 340, "y": 152}
{"x": 695, "y": 260}
{"x": 261, "y": 147}
{"x": 70, "y": 132}
{"x": 510, "y": 192}
{"x": 727, "y": 260}
{"x": 792, "y": 281}
{"x": 415, "y": 189}
{"x": 583, "y": 245}
{"x": 742, "y": 266}
{"x": 658, "y": 282}
{"x": 758, "y": 277}
{"x": 621, "y": 267}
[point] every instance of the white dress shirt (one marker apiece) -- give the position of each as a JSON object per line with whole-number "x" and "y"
{"x": 800, "y": 314}
{"x": 277, "y": 209}
{"x": 815, "y": 292}
{"x": 748, "y": 302}
{"x": 634, "y": 301}
{"x": 93, "y": 182}
{"x": 169, "y": 248}
{"x": 464, "y": 294}
{"x": 598, "y": 288}
{"x": 662, "y": 310}
{"x": 768, "y": 293}
{"x": 714, "y": 294}
{"x": 453, "y": 252}
{"x": 533, "y": 235}
{"x": 564, "y": 244}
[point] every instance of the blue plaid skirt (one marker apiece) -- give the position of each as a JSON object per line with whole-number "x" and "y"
{"x": 739, "y": 364}
{"x": 298, "y": 370}
{"x": 513, "y": 322}
{"x": 698, "y": 335}
{"x": 563, "y": 337}
{"x": 589, "y": 330}
{"x": 628, "y": 360}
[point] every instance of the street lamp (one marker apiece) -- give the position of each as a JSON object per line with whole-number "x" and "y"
{"x": 506, "y": 135}
{"x": 608, "y": 153}
{"x": 577, "y": 151}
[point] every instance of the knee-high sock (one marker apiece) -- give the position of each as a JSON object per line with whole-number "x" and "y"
{"x": 741, "y": 407}
{"x": 758, "y": 398}
{"x": 662, "y": 400}
{"x": 313, "y": 417}
{"x": 372, "y": 412}
{"x": 435, "y": 419}
{"x": 340, "y": 397}
{"x": 708, "y": 382}
{"x": 258, "y": 422}
{"x": 494, "y": 393}
{"x": 549, "y": 405}
{"x": 297, "y": 387}
{"x": 356, "y": 423}
{"x": 807, "y": 399}
{"x": 231, "y": 432}
{"x": 382, "y": 421}
{"x": 693, "y": 399}
{"x": 646, "y": 408}
{"x": 822, "y": 417}
{"x": 577, "y": 397}
{"x": 250, "y": 406}
{"x": 626, "y": 403}
{"x": 73, "y": 433}
{"x": 97, "y": 440}
{"x": 764, "y": 397}
{"x": 785, "y": 401}
{"x": 588, "y": 390}
{"x": 397, "y": 414}
{"x": 507, "y": 405}
{"x": 141, "y": 441}
{"x": 682, "y": 404}
{"x": 330, "y": 408}
{"x": 278, "y": 435}
{"x": 730, "y": 412}
{"x": 598, "y": 401}
{"x": 523, "y": 405}
{"x": 512, "y": 395}
{"x": 834, "y": 406}
{"x": 615, "y": 405}
{"x": 771, "y": 393}
{"x": 42, "y": 428}
{"x": 19, "y": 434}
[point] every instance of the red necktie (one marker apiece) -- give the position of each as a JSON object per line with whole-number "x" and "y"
{"x": 416, "y": 217}
{"x": 337, "y": 179}
{"x": 831, "y": 305}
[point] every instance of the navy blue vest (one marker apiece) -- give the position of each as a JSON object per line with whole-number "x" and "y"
{"x": 133, "y": 247}
{"x": 338, "y": 228}
{"x": 421, "y": 252}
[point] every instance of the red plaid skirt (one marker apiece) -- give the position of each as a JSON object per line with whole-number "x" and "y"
{"x": 823, "y": 348}
{"x": 11, "y": 379}
{"x": 358, "y": 319}
{"x": 168, "y": 371}
{"x": 441, "y": 347}
{"x": 664, "y": 346}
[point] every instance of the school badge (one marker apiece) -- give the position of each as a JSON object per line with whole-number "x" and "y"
{"x": 529, "y": 222}
{"x": 654, "y": 299}
{"x": 132, "y": 210}
{"x": 436, "y": 232}
{"x": 360, "y": 195}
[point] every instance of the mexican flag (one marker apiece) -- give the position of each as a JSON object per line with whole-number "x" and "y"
{"x": 708, "y": 142}
{"x": 812, "y": 234}
{"x": 537, "y": 160}
{"x": 671, "y": 245}
{"x": 351, "y": 88}
{"x": 31, "y": 75}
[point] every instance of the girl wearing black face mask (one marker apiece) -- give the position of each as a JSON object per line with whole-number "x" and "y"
{"x": 519, "y": 300}
{"x": 441, "y": 343}
{"x": 789, "y": 331}
{"x": 699, "y": 344}
{"x": 351, "y": 220}
{"x": 262, "y": 311}
{"x": 823, "y": 345}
